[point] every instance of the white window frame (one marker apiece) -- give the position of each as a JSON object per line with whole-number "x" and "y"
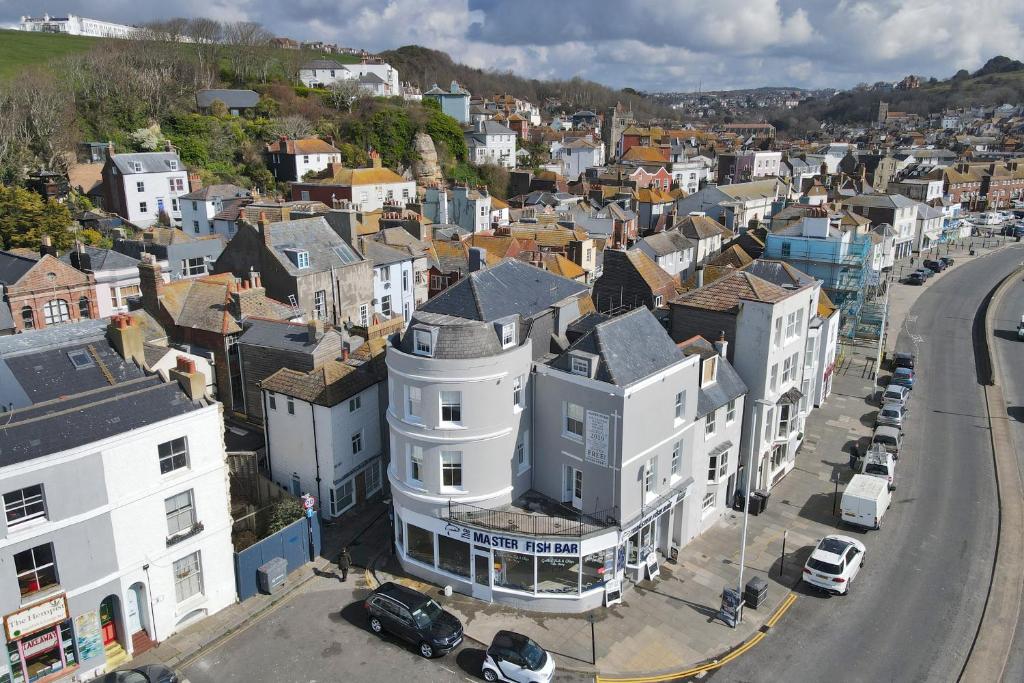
{"x": 415, "y": 464}
{"x": 579, "y": 366}
{"x": 357, "y": 442}
{"x": 568, "y": 420}
{"x": 176, "y": 450}
{"x": 385, "y": 306}
{"x": 680, "y": 406}
{"x": 337, "y": 499}
{"x": 272, "y": 400}
{"x": 508, "y": 335}
{"x": 31, "y": 504}
{"x": 523, "y": 453}
{"x": 413, "y": 403}
{"x": 422, "y": 343}
{"x": 730, "y": 412}
{"x": 364, "y": 315}
{"x": 452, "y": 402}
{"x": 774, "y": 377}
{"x": 302, "y": 259}
{"x": 320, "y": 304}
{"x": 140, "y": 186}
{"x": 188, "y": 569}
{"x": 517, "y": 391}
{"x": 778, "y": 332}
{"x": 355, "y": 403}
{"x": 677, "y": 459}
{"x": 651, "y": 476}
{"x": 708, "y": 503}
{"x": 451, "y": 464}
{"x": 709, "y": 424}
{"x": 182, "y": 509}
{"x": 787, "y": 369}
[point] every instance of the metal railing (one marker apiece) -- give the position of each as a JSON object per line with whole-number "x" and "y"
{"x": 572, "y": 523}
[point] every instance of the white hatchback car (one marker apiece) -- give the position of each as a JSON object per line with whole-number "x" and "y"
{"x": 515, "y": 658}
{"x": 835, "y": 563}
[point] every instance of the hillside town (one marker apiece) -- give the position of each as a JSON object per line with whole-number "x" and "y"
{"x": 531, "y": 369}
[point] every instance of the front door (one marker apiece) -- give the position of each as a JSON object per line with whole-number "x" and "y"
{"x": 132, "y": 617}
{"x": 482, "y": 573}
{"x": 108, "y": 624}
{"x": 361, "y": 488}
{"x": 572, "y": 484}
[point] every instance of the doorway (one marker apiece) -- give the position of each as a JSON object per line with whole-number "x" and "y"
{"x": 482, "y": 573}
{"x": 108, "y": 620}
{"x": 572, "y": 487}
{"x": 361, "y": 487}
{"x": 133, "y": 610}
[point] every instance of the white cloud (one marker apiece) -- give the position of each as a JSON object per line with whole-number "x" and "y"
{"x": 671, "y": 45}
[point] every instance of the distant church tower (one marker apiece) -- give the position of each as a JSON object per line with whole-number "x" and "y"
{"x": 883, "y": 111}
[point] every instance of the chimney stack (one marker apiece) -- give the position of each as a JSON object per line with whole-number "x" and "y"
{"x": 46, "y": 247}
{"x": 151, "y": 284}
{"x": 314, "y": 331}
{"x": 80, "y": 260}
{"x": 126, "y": 338}
{"x": 700, "y": 276}
{"x": 477, "y": 259}
{"x": 192, "y": 382}
{"x": 264, "y": 226}
{"x": 722, "y": 345}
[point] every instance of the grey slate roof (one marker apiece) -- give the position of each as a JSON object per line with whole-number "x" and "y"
{"x": 509, "y": 288}
{"x": 778, "y": 273}
{"x": 105, "y": 259}
{"x": 381, "y": 254}
{"x": 14, "y": 267}
{"x": 234, "y": 99}
{"x": 728, "y": 385}
{"x": 881, "y": 201}
{"x": 224, "y": 191}
{"x": 629, "y": 347}
{"x": 667, "y": 242}
{"x": 314, "y": 235}
{"x": 54, "y": 426}
{"x": 457, "y": 337}
{"x": 152, "y": 162}
{"x": 49, "y": 374}
{"x": 6, "y": 319}
{"x": 279, "y": 334}
{"x": 323, "y": 64}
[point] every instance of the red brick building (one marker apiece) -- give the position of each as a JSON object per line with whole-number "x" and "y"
{"x": 45, "y": 291}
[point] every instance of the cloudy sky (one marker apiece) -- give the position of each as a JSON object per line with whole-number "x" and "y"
{"x": 666, "y": 45}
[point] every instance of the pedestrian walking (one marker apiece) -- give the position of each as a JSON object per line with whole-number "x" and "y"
{"x": 344, "y": 563}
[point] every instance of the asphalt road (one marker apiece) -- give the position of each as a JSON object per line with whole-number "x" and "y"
{"x": 915, "y": 608}
{"x": 1010, "y": 353}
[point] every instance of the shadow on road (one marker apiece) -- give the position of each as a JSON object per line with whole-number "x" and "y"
{"x": 818, "y": 508}
{"x": 1016, "y": 413}
{"x": 470, "y": 660}
{"x": 1009, "y": 335}
{"x": 868, "y": 419}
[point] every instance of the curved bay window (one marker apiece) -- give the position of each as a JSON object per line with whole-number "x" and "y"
{"x": 597, "y": 568}
{"x": 513, "y": 570}
{"x": 55, "y": 312}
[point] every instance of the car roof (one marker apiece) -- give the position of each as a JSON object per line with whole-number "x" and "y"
{"x": 403, "y": 594}
{"x": 904, "y": 371}
{"x": 904, "y": 354}
{"x": 897, "y": 388}
{"x": 886, "y": 430}
{"x": 831, "y": 549}
{"x": 509, "y": 639}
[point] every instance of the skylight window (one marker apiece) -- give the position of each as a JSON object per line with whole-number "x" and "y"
{"x": 81, "y": 359}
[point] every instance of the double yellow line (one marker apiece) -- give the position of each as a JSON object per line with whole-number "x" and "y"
{"x": 751, "y": 642}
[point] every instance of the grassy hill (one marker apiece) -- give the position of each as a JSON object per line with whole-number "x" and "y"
{"x": 20, "y": 49}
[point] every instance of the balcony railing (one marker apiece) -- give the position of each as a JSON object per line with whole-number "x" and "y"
{"x": 567, "y": 521}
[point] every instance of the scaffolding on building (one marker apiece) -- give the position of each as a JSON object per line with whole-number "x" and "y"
{"x": 845, "y": 271}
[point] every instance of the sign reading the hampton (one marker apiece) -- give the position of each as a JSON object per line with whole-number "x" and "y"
{"x": 36, "y": 617}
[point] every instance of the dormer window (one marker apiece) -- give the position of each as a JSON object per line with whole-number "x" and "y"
{"x": 709, "y": 371}
{"x": 172, "y": 164}
{"x": 579, "y": 366}
{"x": 137, "y": 166}
{"x": 423, "y": 342}
{"x": 300, "y": 257}
{"x": 508, "y": 335}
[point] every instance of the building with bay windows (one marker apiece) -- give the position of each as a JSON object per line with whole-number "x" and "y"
{"x": 543, "y": 454}
{"x": 116, "y": 528}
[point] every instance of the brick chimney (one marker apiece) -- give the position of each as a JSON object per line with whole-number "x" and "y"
{"x": 126, "y": 337}
{"x": 264, "y": 226}
{"x": 46, "y": 247}
{"x": 192, "y": 382}
{"x": 314, "y": 331}
{"x": 151, "y": 284}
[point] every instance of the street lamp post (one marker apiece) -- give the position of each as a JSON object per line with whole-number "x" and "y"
{"x": 754, "y": 439}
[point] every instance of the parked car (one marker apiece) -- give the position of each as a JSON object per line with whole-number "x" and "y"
{"x": 835, "y": 563}
{"x": 903, "y": 377}
{"x": 915, "y": 279}
{"x": 891, "y": 415}
{"x": 894, "y": 393}
{"x": 514, "y": 657}
{"x": 903, "y": 359}
{"x": 935, "y": 266}
{"x": 151, "y": 673}
{"x": 413, "y": 617}
{"x": 878, "y": 462}
{"x": 947, "y": 260}
{"x": 924, "y": 272}
{"x": 890, "y": 438}
{"x": 1020, "y": 328}
{"x": 865, "y": 501}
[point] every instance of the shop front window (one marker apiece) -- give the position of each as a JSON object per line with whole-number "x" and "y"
{"x": 558, "y": 574}
{"x": 641, "y": 543}
{"x": 513, "y": 570}
{"x": 421, "y": 545}
{"x": 453, "y": 556}
{"x": 597, "y": 568}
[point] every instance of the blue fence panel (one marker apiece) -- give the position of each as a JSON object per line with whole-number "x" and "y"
{"x": 291, "y": 543}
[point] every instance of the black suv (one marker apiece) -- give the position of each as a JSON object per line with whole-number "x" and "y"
{"x": 935, "y": 266}
{"x": 414, "y": 617}
{"x": 902, "y": 359}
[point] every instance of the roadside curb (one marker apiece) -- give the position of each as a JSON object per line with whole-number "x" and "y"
{"x": 714, "y": 663}
{"x": 991, "y": 647}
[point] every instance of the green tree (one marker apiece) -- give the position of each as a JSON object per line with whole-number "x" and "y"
{"x": 283, "y": 512}
{"x": 445, "y": 130}
{"x": 25, "y": 218}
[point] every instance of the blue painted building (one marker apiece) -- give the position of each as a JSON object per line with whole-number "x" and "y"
{"x": 454, "y": 101}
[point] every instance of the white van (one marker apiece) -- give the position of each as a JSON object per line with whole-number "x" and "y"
{"x": 865, "y": 501}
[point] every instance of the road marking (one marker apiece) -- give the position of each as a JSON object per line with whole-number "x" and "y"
{"x": 714, "y": 664}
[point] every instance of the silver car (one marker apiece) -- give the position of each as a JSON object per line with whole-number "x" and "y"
{"x": 892, "y": 414}
{"x": 894, "y": 393}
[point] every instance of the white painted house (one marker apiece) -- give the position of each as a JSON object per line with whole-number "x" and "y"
{"x": 579, "y": 155}
{"x": 394, "y": 278}
{"x": 140, "y": 186}
{"x": 324, "y": 432}
{"x": 199, "y": 207}
{"x": 119, "y": 529}
{"x": 492, "y": 143}
{"x": 323, "y": 72}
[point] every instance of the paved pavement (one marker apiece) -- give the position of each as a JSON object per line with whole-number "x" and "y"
{"x": 1010, "y": 352}
{"x": 914, "y": 615}
{"x": 931, "y": 559}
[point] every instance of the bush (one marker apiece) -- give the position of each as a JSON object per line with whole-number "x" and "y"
{"x": 283, "y": 512}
